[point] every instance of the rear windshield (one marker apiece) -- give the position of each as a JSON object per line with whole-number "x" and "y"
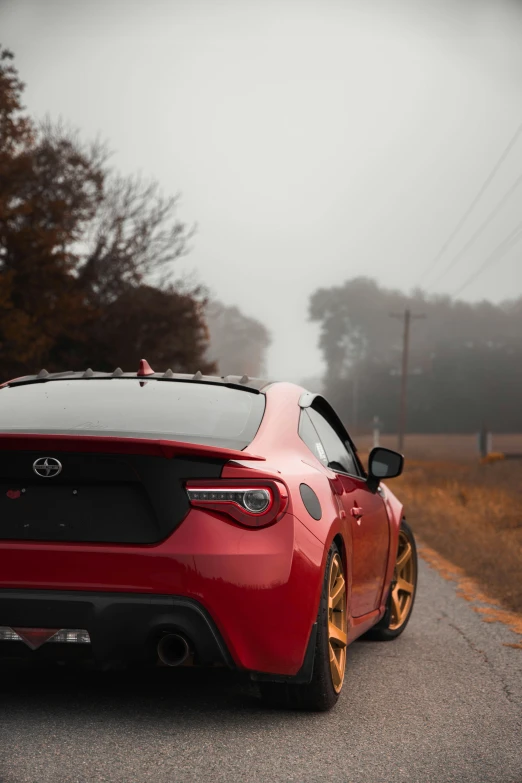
{"x": 124, "y": 407}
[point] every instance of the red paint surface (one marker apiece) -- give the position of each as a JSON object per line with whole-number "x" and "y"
{"x": 35, "y": 637}
{"x": 145, "y": 368}
{"x": 107, "y": 444}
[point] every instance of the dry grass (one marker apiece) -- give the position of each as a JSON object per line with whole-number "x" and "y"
{"x": 443, "y": 447}
{"x": 471, "y": 514}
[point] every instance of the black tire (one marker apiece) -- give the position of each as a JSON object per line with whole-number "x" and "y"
{"x": 382, "y": 632}
{"x": 319, "y": 695}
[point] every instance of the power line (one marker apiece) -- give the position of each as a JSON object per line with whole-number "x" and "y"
{"x": 433, "y": 263}
{"x": 500, "y": 251}
{"x": 480, "y": 230}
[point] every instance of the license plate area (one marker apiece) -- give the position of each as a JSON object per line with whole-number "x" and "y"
{"x": 115, "y": 512}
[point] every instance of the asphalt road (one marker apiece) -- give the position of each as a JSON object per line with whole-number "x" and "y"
{"x": 442, "y": 704}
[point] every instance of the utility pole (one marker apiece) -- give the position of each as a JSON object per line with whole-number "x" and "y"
{"x": 406, "y": 316}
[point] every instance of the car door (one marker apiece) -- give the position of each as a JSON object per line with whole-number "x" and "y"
{"x": 365, "y": 509}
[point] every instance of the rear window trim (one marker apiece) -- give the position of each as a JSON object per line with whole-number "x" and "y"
{"x": 141, "y": 379}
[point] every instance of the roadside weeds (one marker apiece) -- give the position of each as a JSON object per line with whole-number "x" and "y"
{"x": 469, "y": 516}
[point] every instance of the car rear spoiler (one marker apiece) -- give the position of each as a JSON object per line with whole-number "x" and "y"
{"x": 115, "y": 445}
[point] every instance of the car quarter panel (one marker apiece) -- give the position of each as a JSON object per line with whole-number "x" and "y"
{"x": 288, "y": 458}
{"x": 278, "y": 439}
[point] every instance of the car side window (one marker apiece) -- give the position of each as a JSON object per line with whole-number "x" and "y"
{"x": 308, "y": 434}
{"x": 338, "y": 454}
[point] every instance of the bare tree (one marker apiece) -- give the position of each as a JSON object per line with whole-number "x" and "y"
{"x": 134, "y": 236}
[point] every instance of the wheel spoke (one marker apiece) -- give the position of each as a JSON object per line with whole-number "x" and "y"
{"x": 335, "y": 668}
{"x": 403, "y": 557}
{"x": 404, "y": 582}
{"x": 333, "y": 574}
{"x": 337, "y": 635}
{"x": 396, "y": 606}
{"x": 405, "y": 586}
{"x": 337, "y": 593}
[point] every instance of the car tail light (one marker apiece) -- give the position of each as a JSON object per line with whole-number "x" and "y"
{"x": 253, "y": 503}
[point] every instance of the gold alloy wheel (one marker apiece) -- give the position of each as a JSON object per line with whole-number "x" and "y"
{"x": 337, "y": 637}
{"x": 403, "y": 586}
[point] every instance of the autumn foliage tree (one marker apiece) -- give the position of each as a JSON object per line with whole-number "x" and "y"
{"x": 85, "y": 256}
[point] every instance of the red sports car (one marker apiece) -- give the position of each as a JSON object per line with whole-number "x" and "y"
{"x": 192, "y": 520}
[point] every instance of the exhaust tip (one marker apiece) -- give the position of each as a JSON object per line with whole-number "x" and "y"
{"x": 173, "y": 649}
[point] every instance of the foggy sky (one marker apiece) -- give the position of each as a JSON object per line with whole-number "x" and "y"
{"x": 311, "y": 141}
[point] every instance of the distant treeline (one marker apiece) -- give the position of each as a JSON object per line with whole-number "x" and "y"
{"x": 465, "y": 367}
{"x": 238, "y": 343}
{"x": 86, "y": 262}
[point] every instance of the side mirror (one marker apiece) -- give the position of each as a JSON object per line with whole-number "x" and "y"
{"x": 383, "y": 464}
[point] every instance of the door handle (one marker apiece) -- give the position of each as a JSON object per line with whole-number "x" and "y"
{"x": 356, "y": 512}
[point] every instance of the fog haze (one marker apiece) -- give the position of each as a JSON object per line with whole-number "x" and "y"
{"x": 312, "y": 142}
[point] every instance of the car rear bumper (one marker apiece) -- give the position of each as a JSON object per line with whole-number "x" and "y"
{"x": 122, "y": 627}
{"x": 247, "y": 598}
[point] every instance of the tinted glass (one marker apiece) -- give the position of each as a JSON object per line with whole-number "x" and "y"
{"x": 192, "y": 412}
{"x": 308, "y": 434}
{"x": 338, "y": 455}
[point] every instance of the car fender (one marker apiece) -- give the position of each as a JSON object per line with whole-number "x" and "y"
{"x": 395, "y": 511}
{"x": 394, "y": 507}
